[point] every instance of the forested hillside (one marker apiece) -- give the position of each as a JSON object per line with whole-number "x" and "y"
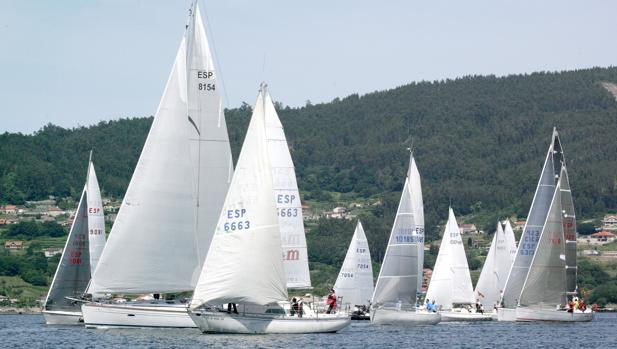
{"x": 479, "y": 142}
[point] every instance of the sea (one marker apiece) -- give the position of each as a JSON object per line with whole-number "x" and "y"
{"x": 30, "y": 331}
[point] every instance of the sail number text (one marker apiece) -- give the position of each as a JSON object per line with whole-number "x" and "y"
{"x": 205, "y": 86}
{"x": 238, "y": 221}
{"x": 528, "y": 245}
{"x": 410, "y": 235}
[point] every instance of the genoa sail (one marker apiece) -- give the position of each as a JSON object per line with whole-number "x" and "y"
{"x": 96, "y": 218}
{"x": 73, "y": 272}
{"x": 244, "y": 263}
{"x": 288, "y": 205}
{"x": 354, "y": 284}
{"x": 169, "y": 213}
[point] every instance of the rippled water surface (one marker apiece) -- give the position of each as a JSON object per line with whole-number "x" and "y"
{"x": 30, "y": 331}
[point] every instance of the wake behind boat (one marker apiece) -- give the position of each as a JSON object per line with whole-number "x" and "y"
{"x": 170, "y": 209}
{"x": 243, "y": 267}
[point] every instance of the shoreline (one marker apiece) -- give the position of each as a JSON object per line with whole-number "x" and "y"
{"x": 20, "y": 311}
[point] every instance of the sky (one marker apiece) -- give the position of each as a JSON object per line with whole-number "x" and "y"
{"x": 77, "y": 62}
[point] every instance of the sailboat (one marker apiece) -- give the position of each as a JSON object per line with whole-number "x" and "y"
{"x": 354, "y": 285}
{"x": 451, "y": 282}
{"x": 167, "y": 218}
{"x": 288, "y": 206}
{"x": 244, "y": 267}
{"x": 80, "y": 256}
{"x": 496, "y": 267}
{"x": 400, "y": 278}
{"x": 548, "y": 275}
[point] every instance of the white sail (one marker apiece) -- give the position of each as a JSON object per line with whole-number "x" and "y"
{"x": 73, "y": 272}
{"x": 354, "y": 284}
{"x": 492, "y": 280}
{"x": 400, "y": 274}
{"x": 451, "y": 281}
{"x": 288, "y": 205}
{"x": 244, "y": 263}
{"x": 171, "y": 206}
{"x": 510, "y": 243}
{"x": 535, "y": 220}
{"x": 545, "y": 285}
{"x": 96, "y": 218}
{"x": 417, "y": 207}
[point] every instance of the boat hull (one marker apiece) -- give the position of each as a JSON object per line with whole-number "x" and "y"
{"x": 506, "y": 314}
{"x": 97, "y": 315}
{"x": 535, "y": 314}
{"x": 463, "y": 316}
{"x": 62, "y": 317}
{"x": 404, "y": 317}
{"x": 222, "y": 322}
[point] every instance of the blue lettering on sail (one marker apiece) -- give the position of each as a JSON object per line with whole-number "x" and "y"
{"x": 529, "y": 243}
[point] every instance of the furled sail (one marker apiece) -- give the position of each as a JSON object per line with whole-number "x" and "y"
{"x": 451, "y": 281}
{"x": 244, "y": 263}
{"x": 171, "y": 207}
{"x": 354, "y": 284}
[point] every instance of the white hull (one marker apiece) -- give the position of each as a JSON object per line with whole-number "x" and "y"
{"x": 464, "y": 316}
{"x": 404, "y": 317}
{"x": 97, "y": 315}
{"x": 506, "y": 314}
{"x": 222, "y": 322}
{"x": 531, "y": 314}
{"x": 62, "y": 317}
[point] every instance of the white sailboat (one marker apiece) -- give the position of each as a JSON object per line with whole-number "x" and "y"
{"x": 244, "y": 264}
{"x": 81, "y": 252}
{"x": 531, "y": 232}
{"x": 451, "y": 282}
{"x": 400, "y": 278}
{"x": 496, "y": 267}
{"x": 165, "y": 224}
{"x": 354, "y": 285}
{"x": 552, "y": 273}
{"x": 288, "y": 206}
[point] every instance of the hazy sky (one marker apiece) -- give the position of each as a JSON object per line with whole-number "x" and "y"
{"x": 76, "y": 62}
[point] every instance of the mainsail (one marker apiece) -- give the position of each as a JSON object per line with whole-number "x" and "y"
{"x": 535, "y": 221}
{"x": 569, "y": 230}
{"x": 495, "y": 269}
{"x": 73, "y": 272}
{"x": 244, "y": 263}
{"x": 96, "y": 218}
{"x": 354, "y": 284}
{"x": 289, "y": 208}
{"x": 400, "y": 276}
{"x": 171, "y": 207}
{"x": 451, "y": 281}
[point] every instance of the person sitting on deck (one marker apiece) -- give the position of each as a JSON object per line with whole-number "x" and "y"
{"x": 300, "y": 307}
{"x": 294, "y": 306}
{"x": 331, "y": 302}
{"x": 229, "y": 306}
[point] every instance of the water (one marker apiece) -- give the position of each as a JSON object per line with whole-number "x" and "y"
{"x": 30, "y": 331}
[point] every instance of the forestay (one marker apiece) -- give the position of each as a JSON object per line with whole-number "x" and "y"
{"x": 244, "y": 263}
{"x": 535, "y": 220}
{"x": 354, "y": 284}
{"x": 451, "y": 281}
{"x": 288, "y": 205}
{"x": 400, "y": 276}
{"x": 73, "y": 272}
{"x": 171, "y": 206}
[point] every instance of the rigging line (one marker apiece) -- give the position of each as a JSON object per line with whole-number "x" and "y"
{"x": 215, "y": 55}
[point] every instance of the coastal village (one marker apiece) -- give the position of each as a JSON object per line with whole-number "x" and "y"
{"x": 599, "y": 245}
